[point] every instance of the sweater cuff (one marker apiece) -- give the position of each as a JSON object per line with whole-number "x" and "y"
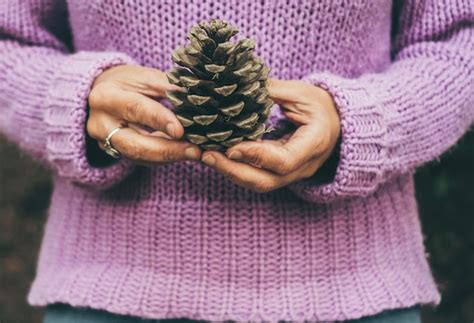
{"x": 66, "y": 114}
{"x": 363, "y": 148}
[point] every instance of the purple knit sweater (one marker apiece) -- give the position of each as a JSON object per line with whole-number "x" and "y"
{"x": 181, "y": 240}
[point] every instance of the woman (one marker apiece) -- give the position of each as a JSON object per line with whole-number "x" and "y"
{"x": 254, "y": 234}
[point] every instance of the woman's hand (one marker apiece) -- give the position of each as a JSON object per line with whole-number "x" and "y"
{"x": 266, "y": 165}
{"x": 124, "y": 95}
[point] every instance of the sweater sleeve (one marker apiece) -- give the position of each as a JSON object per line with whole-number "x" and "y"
{"x": 408, "y": 114}
{"x": 44, "y": 89}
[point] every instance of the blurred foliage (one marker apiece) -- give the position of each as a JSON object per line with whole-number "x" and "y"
{"x": 25, "y": 190}
{"x": 445, "y": 192}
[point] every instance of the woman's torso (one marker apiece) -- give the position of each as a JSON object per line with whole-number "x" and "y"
{"x": 181, "y": 240}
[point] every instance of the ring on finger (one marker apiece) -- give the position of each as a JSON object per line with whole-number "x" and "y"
{"x": 108, "y": 147}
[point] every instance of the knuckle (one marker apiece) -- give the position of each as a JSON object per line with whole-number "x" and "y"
{"x": 132, "y": 110}
{"x": 92, "y": 128}
{"x": 284, "y": 167}
{"x": 167, "y": 155}
{"x": 98, "y": 95}
{"x": 323, "y": 142}
{"x": 154, "y": 119}
{"x": 135, "y": 151}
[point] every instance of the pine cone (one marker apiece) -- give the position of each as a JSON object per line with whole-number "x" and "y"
{"x": 226, "y": 99}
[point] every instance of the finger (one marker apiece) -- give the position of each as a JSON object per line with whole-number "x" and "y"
{"x": 285, "y": 90}
{"x": 279, "y": 157}
{"x": 146, "y": 131}
{"x": 258, "y": 153}
{"x": 144, "y": 148}
{"x": 297, "y": 118}
{"x": 257, "y": 179}
{"x": 154, "y": 83}
{"x": 99, "y": 124}
{"x": 140, "y": 109}
{"x": 139, "y": 128}
{"x": 134, "y": 78}
{"x": 142, "y": 163}
{"x": 139, "y": 147}
{"x": 296, "y": 95}
{"x": 242, "y": 174}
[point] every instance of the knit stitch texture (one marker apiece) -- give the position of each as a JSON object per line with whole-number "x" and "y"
{"x": 181, "y": 240}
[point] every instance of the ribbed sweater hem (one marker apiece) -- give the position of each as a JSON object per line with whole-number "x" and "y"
{"x": 100, "y": 286}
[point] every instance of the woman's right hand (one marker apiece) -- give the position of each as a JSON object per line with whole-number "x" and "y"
{"x": 125, "y": 95}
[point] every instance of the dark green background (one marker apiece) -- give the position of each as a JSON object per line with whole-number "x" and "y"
{"x": 445, "y": 192}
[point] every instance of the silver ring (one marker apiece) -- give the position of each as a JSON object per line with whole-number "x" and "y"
{"x": 108, "y": 148}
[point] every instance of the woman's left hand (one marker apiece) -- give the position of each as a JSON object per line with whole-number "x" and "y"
{"x": 266, "y": 165}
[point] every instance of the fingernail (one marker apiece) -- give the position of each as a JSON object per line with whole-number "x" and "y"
{"x": 191, "y": 153}
{"x": 209, "y": 160}
{"x": 235, "y": 155}
{"x": 170, "y": 130}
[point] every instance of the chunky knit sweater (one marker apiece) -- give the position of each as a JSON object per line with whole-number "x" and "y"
{"x": 183, "y": 241}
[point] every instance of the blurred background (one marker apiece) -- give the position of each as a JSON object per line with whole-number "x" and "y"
{"x": 445, "y": 190}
